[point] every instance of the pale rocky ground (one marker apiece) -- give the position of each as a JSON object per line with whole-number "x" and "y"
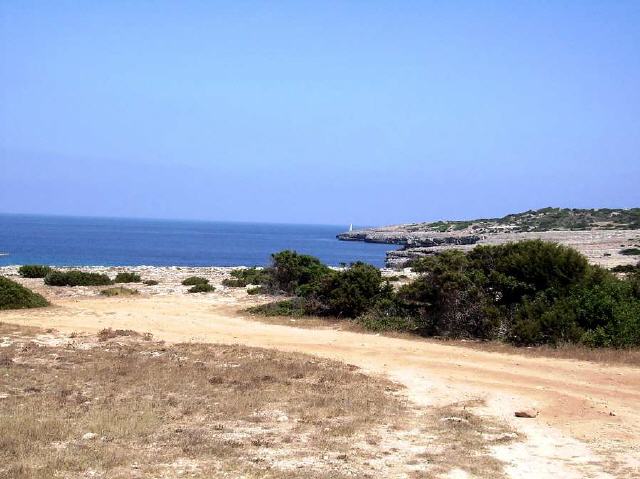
{"x": 588, "y": 423}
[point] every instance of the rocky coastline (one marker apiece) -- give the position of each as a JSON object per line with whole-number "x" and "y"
{"x": 601, "y": 246}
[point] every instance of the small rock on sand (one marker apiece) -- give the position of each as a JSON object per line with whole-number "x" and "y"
{"x": 529, "y": 412}
{"x": 89, "y": 436}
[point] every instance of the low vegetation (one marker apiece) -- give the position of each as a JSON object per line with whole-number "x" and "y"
{"x": 119, "y": 291}
{"x": 630, "y": 251}
{"x": 34, "y": 270}
{"x": 544, "y": 219}
{"x": 287, "y": 307}
{"x": 127, "y": 278}
{"x": 626, "y": 268}
{"x": 16, "y": 296}
{"x": 150, "y": 282}
{"x": 195, "y": 280}
{"x": 245, "y": 276}
{"x": 525, "y": 293}
{"x": 76, "y": 278}
{"x": 201, "y": 288}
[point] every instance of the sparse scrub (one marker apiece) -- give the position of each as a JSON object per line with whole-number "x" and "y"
{"x": 76, "y": 278}
{"x": 288, "y": 307}
{"x": 201, "y": 288}
{"x": 108, "y": 333}
{"x": 119, "y": 291}
{"x": 256, "y": 290}
{"x": 195, "y": 280}
{"x": 16, "y": 296}
{"x": 34, "y": 270}
{"x": 127, "y": 278}
{"x": 246, "y": 276}
{"x": 630, "y": 251}
{"x": 150, "y": 282}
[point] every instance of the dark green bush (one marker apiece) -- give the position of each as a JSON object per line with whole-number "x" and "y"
{"x": 34, "y": 270}
{"x": 201, "y": 288}
{"x": 119, "y": 291}
{"x": 76, "y": 278}
{"x": 150, "y": 282}
{"x": 127, "y": 278}
{"x": 347, "y": 293}
{"x": 16, "y": 296}
{"x": 289, "y": 307}
{"x": 246, "y": 276}
{"x": 195, "y": 280}
{"x": 388, "y": 314}
{"x": 626, "y": 268}
{"x": 233, "y": 283}
{"x": 290, "y": 271}
{"x": 630, "y": 251}
{"x": 528, "y": 293}
{"x": 256, "y": 290}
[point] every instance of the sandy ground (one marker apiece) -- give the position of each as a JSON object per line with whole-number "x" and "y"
{"x": 589, "y": 422}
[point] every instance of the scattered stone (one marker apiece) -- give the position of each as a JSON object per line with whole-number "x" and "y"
{"x": 454, "y": 419}
{"x": 529, "y": 413}
{"x": 3, "y": 396}
{"x": 89, "y": 436}
{"x": 283, "y": 418}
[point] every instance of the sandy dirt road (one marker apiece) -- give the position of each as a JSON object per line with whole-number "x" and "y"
{"x": 589, "y": 422}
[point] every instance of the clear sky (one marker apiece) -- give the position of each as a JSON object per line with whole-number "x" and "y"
{"x": 363, "y": 112}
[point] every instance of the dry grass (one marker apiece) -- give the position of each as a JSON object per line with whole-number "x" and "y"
{"x": 201, "y": 410}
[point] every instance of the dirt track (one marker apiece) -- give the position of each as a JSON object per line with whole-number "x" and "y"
{"x": 589, "y": 422}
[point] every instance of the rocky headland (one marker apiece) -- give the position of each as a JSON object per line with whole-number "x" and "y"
{"x": 601, "y": 235}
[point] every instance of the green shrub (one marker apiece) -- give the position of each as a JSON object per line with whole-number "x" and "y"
{"x": 76, "y": 278}
{"x": 290, "y": 271}
{"x": 195, "y": 280}
{"x": 375, "y": 322}
{"x": 528, "y": 293}
{"x": 626, "y": 268}
{"x": 127, "y": 278}
{"x": 16, "y": 296}
{"x": 245, "y": 276}
{"x": 150, "y": 282}
{"x": 34, "y": 270}
{"x": 119, "y": 291}
{"x": 347, "y": 293}
{"x": 289, "y": 307}
{"x": 201, "y": 288}
{"x": 256, "y": 290}
{"x": 630, "y": 251}
{"x": 388, "y": 314}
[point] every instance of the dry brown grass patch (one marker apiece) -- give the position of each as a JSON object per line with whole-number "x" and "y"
{"x": 160, "y": 410}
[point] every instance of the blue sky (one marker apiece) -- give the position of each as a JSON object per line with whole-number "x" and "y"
{"x": 362, "y": 112}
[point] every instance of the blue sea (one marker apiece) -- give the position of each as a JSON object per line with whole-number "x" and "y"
{"x": 80, "y": 241}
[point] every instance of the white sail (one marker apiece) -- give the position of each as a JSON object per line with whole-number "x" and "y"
{"x": 351, "y": 227}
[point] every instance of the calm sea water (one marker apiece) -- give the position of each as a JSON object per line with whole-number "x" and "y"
{"x": 72, "y": 241}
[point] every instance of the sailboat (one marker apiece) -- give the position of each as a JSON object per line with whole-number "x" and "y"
{"x": 351, "y": 227}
